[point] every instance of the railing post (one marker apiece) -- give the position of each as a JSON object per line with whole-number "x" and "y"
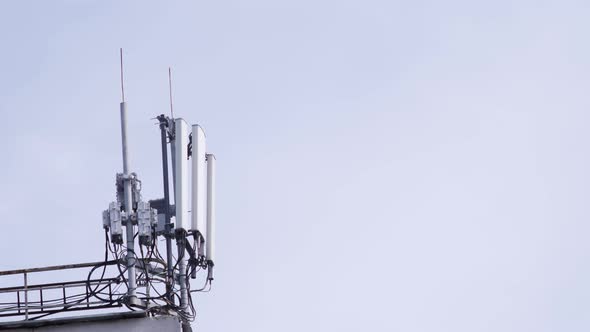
{"x": 26, "y": 298}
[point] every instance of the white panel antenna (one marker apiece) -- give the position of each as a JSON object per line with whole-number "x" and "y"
{"x": 199, "y": 177}
{"x": 210, "y": 251}
{"x": 181, "y": 174}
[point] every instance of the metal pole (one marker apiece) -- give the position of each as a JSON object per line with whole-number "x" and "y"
{"x": 26, "y": 298}
{"x": 131, "y": 282}
{"x": 169, "y": 264}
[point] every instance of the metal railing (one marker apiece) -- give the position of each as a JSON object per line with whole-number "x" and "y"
{"x": 96, "y": 293}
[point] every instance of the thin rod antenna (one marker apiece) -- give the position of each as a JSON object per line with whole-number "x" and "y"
{"x": 128, "y": 198}
{"x": 122, "y": 88}
{"x": 170, "y": 91}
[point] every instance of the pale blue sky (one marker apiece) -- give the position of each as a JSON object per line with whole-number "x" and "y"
{"x": 383, "y": 165}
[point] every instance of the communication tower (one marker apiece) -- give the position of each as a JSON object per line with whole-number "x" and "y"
{"x": 135, "y": 283}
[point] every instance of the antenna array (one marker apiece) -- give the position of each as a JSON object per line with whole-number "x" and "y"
{"x": 190, "y": 221}
{"x": 134, "y": 273}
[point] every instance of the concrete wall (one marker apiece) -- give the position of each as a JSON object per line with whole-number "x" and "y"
{"x": 147, "y": 324}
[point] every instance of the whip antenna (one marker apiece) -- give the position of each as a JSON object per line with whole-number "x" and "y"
{"x": 170, "y": 91}
{"x": 122, "y": 88}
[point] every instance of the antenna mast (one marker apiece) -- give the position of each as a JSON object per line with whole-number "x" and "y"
{"x": 127, "y": 198}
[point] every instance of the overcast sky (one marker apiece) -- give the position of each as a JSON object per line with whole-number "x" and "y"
{"x": 382, "y": 165}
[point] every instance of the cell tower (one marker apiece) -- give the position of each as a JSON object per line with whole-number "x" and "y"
{"x": 134, "y": 276}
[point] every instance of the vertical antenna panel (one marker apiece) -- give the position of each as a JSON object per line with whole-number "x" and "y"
{"x": 181, "y": 174}
{"x": 210, "y": 251}
{"x": 199, "y": 180}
